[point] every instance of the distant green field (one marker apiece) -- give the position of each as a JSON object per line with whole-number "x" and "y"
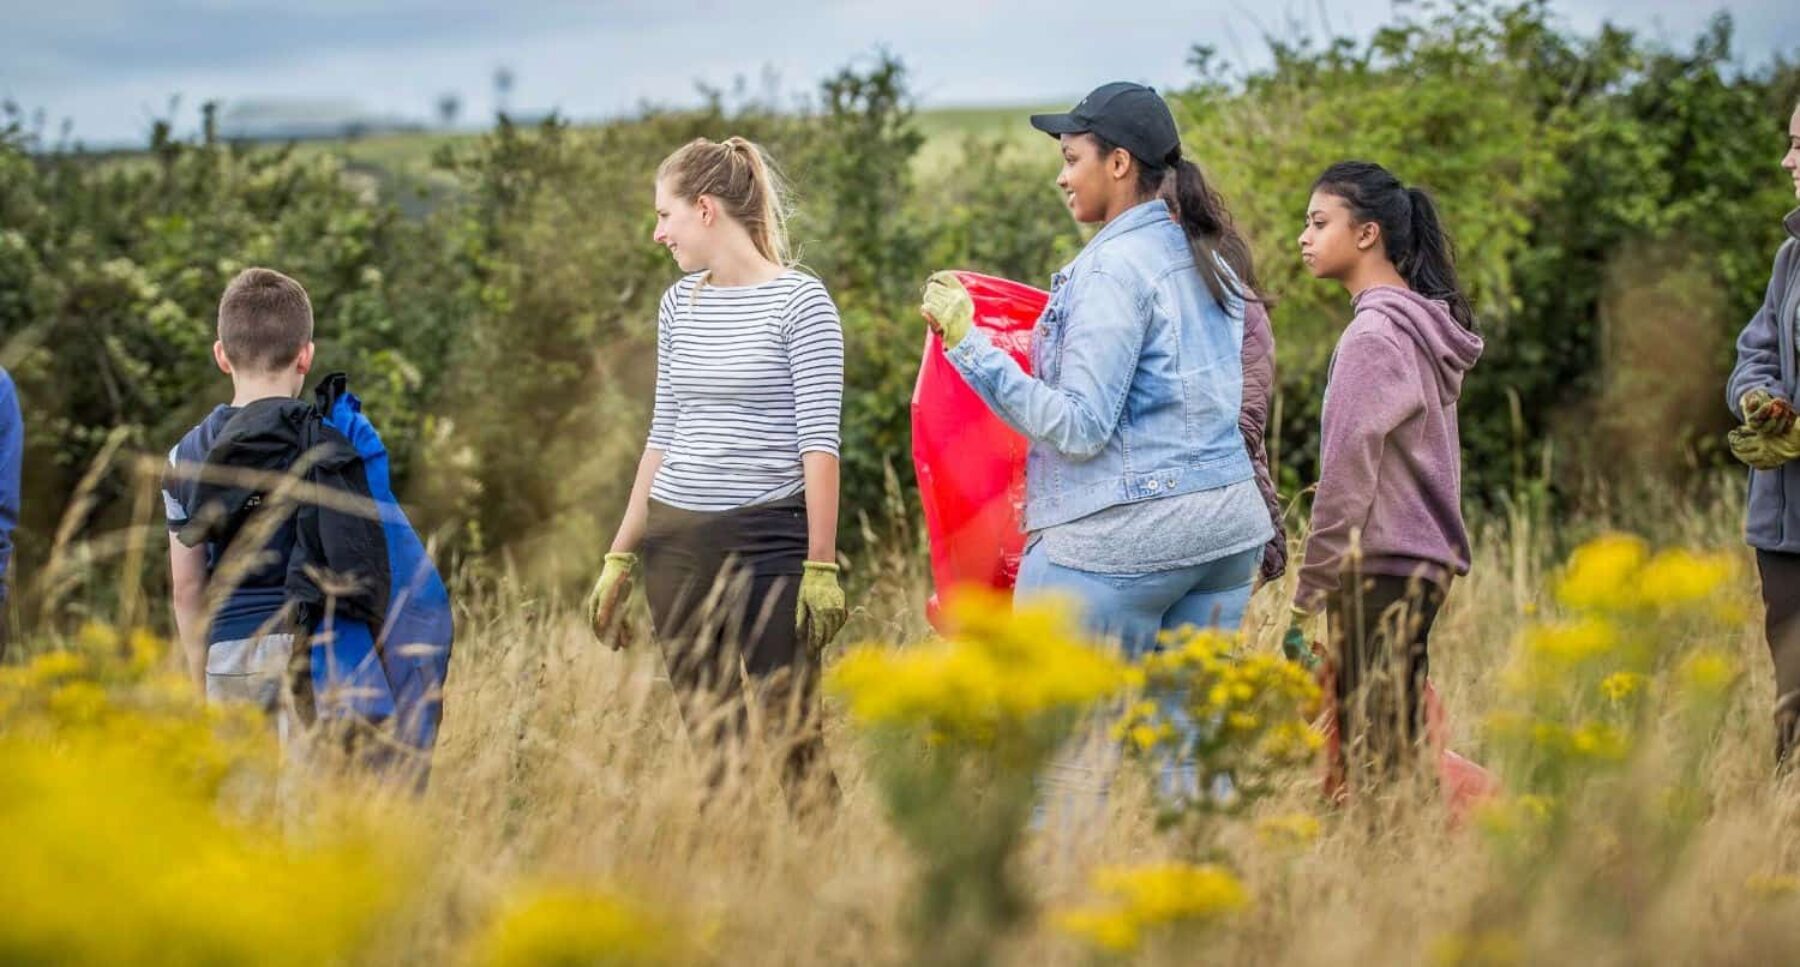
{"x": 945, "y": 130}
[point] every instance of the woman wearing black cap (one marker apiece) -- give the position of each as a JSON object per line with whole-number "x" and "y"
{"x": 1140, "y": 501}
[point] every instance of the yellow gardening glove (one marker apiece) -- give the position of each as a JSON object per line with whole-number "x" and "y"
{"x": 947, "y": 307}
{"x": 1755, "y": 449}
{"x": 821, "y": 613}
{"x": 609, "y": 595}
{"x": 1783, "y": 446}
{"x": 1766, "y": 413}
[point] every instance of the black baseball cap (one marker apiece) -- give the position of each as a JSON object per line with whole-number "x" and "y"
{"x": 1132, "y": 116}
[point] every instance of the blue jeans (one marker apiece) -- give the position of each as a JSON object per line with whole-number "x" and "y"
{"x": 1131, "y": 609}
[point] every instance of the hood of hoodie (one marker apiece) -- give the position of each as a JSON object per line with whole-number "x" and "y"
{"x": 1452, "y": 349}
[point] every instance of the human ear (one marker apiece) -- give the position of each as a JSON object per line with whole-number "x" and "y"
{"x": 1368, "y": 234}
{"x": 1119, "y": 163}
{"x": 219, "y": 357}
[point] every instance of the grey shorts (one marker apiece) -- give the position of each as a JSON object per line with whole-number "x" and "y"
{"x": 252, "y": 670}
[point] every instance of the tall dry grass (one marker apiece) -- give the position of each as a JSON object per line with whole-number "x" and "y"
{"x": 563, "y": 764}
{"x": 559, "y": 757}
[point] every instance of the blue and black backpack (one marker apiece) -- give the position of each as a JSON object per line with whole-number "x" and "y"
{"x": 393, "y": 674}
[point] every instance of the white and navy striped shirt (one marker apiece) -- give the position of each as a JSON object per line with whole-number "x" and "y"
{"x": 747, "y": 379}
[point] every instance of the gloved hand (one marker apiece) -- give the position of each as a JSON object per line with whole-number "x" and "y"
{"x": 1294, "y": 645}
{"x": 822, "y": 612}
{"x": 610, "y": 592}
{"x": 1761, "y": 451}
{"x": 1767, "y": 413}
{"x": 947, "y": 307}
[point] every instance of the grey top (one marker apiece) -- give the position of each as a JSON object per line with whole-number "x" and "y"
{"x": 1162, "y": 534}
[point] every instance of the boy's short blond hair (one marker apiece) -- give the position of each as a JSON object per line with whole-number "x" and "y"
{"x": 265, "y": 320}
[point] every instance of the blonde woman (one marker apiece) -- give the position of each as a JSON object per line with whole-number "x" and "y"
{"x": 734, "y": 510}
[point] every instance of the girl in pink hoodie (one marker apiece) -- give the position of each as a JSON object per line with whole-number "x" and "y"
{"x": 1387, "y": 529}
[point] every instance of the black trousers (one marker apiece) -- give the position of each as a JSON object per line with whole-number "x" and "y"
{"x": 1380, "y": 630}
{"x": 723, "y": 591}
{"x": 1780, "y": 576}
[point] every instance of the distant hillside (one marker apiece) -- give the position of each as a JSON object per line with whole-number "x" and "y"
{"x": 409, "y": 154}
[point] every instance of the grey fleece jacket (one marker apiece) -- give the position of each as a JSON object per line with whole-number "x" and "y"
{"x": 1765, "y": 360}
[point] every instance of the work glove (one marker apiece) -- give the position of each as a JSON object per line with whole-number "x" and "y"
{"x": 1767, "y": 413}
{"x": 947, "y": 307}
{"x": 609, "y": 596}
{"x": 821, "y": 613}
{"x": 1295, "y": 646}
{"x": 1761, "y": 451}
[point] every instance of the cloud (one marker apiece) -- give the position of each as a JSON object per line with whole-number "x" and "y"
{"x": 110, "y": 65}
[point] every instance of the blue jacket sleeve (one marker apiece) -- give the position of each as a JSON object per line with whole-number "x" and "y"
{"x": 1759, "y": 345}
{"x": 1103, "y": 335}
{"x": 12, "y": 460}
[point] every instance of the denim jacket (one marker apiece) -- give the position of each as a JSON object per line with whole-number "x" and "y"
{"x": 1138, "y": 377}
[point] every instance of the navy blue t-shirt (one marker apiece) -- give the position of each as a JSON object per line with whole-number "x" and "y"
{"x": 261, "y": 592}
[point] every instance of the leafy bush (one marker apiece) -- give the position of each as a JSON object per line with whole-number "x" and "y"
{"x": 1616, "y": 204}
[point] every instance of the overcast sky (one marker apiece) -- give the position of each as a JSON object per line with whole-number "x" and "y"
{"x": 111, "y": 66}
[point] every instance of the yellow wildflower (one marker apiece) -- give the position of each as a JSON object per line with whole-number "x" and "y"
{"x": 1295, "y": 829}
{"x": 54, "y": 666}
{"x": 1485, "y": 948}
{"x": 1620, "y": 686}
{"x": 998, "y": 671}
{"x": 569, "y": 926}
{"x": 1149, "y": 897}
{"x": 1113, "y": 931}
{"x": 1511, "y": 816}
{"x": 1707, "y": 673}
{"x": 86, "y": 738}
{"x": 97, "y": 637}
{"x": 1571, "y": 643}
{"x": 1290, "y": 742}
{"x": 1598, "y": 740}
{"x": 1772, "y": 884}
{"x": 1680, "y": 578}
{"x": 1602, "y": 574}
{"x": 78, "y": 702}
{"x": 145, "y": 648}
{"x": 1537, "y": 807}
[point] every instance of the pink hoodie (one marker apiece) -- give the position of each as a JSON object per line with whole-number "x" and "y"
{"x": 1390, "y": 459}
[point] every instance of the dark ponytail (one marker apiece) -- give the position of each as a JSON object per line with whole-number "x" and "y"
{"x": 1203, "y": 218}
{"x": 1412, "y": 234}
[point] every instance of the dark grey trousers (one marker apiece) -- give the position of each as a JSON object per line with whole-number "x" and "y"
{"x": 1780, "y": 573}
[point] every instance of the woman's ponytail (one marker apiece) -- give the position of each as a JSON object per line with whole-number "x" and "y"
{"x": 742, "y": 179}
{"x": 1220, "y": 253}
{"x": 1206, "y": 221}
{"x": 1429, "y": 266}
{"x": 766, "y": 205}
{"x": 1412, "y": 234}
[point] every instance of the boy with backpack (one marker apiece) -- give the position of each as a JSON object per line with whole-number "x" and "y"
{"x": 299, "y": 586}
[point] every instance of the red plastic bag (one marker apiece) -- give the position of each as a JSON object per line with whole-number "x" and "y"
{"x": 1464, "y": 784}
{"x": 971, "y": 466}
